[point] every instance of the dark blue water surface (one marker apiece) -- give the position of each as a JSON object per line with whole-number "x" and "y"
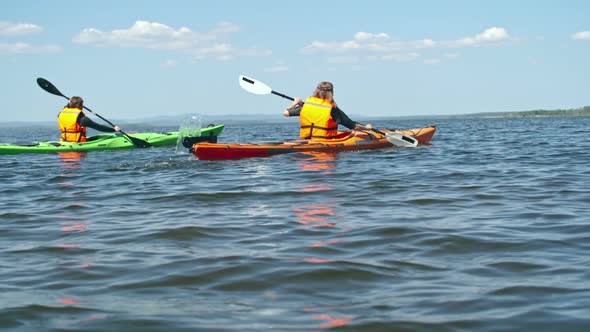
{"x": 487, "y": 229}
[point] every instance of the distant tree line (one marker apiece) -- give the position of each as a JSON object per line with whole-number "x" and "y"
{"x": 582, "y": 111}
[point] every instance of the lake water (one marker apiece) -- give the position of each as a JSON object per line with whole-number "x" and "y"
{"x": 486, "y": 229}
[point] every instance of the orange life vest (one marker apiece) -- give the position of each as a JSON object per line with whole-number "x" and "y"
{"x": 315, "y": 119}
{"x": 71, "y": 131}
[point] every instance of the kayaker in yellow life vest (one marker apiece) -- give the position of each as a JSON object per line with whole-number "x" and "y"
{"x": 72, "y": 122}
{"x": 319, "y": 116}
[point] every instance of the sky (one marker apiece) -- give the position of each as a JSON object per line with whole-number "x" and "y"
{"x": 139, "y": 59}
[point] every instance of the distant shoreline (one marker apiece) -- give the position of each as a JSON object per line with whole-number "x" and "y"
{"x": 582, "y": 111}
{"x": 261, "y": 118}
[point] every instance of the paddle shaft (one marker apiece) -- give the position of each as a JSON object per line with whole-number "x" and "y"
{"x": 282, "y": 95}
{"x": 49, "y": 87}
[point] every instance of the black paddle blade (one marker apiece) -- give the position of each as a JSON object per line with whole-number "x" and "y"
{"x": 47, "y": 86}
{"x": 139, "y": 142}
{"x": 188, "y": 142}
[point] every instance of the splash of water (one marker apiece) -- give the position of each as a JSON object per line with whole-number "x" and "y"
{"x": 190, "y": 127}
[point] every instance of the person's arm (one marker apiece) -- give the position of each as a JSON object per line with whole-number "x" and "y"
{"x": 295, "y": 108}
{"x": 341, "y": 118}
{"x": 87, "y": 122}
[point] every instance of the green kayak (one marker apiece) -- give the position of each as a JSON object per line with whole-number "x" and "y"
{"x": 112, "y": 142}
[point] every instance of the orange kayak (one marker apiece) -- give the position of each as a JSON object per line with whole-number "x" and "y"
{"x": 345, "y": 141}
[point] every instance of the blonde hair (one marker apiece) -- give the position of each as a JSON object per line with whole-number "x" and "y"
{"x": 325, "y": 90}
{"x": 76, "y": 102}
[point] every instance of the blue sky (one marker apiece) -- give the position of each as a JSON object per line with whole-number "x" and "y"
{"x": 135, "y": 59}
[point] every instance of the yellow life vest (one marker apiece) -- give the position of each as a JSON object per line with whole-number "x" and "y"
{"x": 71, "y": 131}
{"x": 315, "y": 119}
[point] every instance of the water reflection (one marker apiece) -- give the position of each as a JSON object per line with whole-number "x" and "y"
{"x": 69, "y": 228}
{"x": 71, "y": 160}
{"x": 315, "y": 215}
{"x": 316, "y": 161}
{"x": 68, "y": 300}
{"x": 319, "y": 214}
{"x": 74, "y": 226}
{"x": 311, "y": 187}
{"x": 331, "y": 321}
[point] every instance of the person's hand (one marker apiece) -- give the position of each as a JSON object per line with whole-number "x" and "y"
{"x": 117, "y": 128}
{"x": 296, "y": 101}
{"x": 359, "y": 126}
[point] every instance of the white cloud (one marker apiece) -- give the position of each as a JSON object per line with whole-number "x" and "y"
{"x": 226, "y": 52}
{"x": 431, "y": 61}
{"x": 277, "y": 69}
{"x": 402, "y": 57}
{"x": 142, "y": 34}
{"x": 370, "y": 37}
{"x": 253, "y": 51}
{"x": 25, "y": 48}
{"x": 331, "y": 46}
{"x": 170, "y": 63}
{"x": 381, "y": 47}
{"x": 278, "y": 66}
{"x": 221, "y": 52}
{"x": 361, "y": 41}
{"x": 488, "y": 36}
{"x": 581, "y": 35}
{"x": 425, "y": 43}
{"x": 18, "y": 29}
{"x": 8, "y": 29}
{"x": 226, "y": 27}
{"x": 158, "y": 36}
{"x": 344, "y": 59}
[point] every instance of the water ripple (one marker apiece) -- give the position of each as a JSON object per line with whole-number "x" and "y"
{"x": 485, "y": 229}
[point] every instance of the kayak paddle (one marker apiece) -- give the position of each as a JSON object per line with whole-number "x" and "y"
{"x": 256, "y": 87}
{"x": 47, "y": 86}
{"x": 399, "y": 139}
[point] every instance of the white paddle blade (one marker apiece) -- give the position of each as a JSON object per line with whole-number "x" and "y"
{"x": 399, "y": 139}
{"x": 253, "y": 86}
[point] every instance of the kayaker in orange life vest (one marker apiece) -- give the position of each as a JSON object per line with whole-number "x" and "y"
{"x": 72, "y": 122}
{"x": 320, "y": 116}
